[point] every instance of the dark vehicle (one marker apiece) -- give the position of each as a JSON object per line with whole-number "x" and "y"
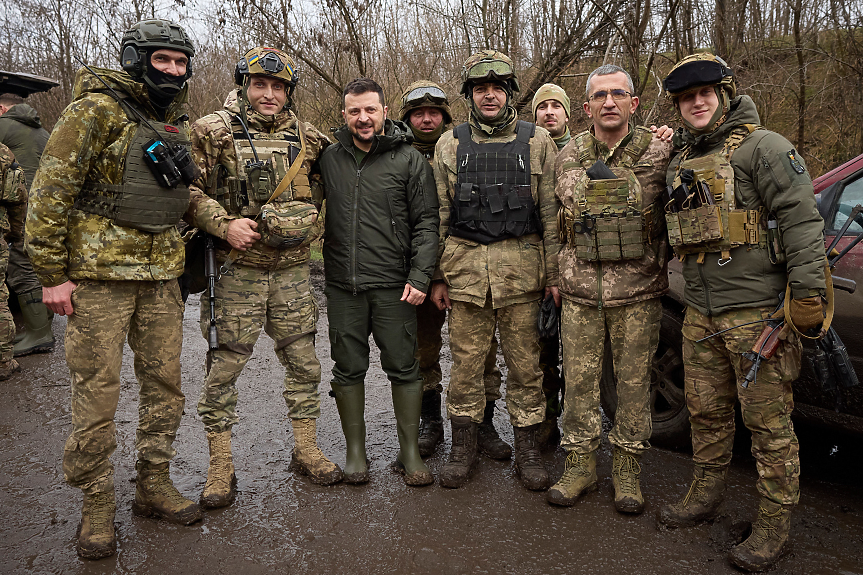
{"x": 837, "y": 192}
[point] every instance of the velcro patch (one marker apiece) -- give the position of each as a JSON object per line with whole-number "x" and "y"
{"x": 795, "y": 163}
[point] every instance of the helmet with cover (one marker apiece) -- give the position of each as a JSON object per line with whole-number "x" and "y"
{"x": 264, "y": 61}
{"x": 145, "y": 37}
{"x": 488, "y": 66}
{"x": 697, "y": 71}
{"x": 424, "y": 94}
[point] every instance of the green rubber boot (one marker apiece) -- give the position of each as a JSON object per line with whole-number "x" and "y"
{"x": 38, "y": 337}
{"x": 351, "y": 401}
{"x": 407, "y": 402}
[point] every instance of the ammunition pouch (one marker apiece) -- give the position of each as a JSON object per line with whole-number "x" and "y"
{"x": 287, "y": 225}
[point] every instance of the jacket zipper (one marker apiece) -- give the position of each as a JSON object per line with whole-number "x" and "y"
{"x": 356, "y": 210}
{"x": 704, "y": 288}
{"x": 599, "y": 286}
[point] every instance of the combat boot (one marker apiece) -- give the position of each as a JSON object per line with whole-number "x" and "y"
{"x": 431, "y": 423}
{"x": 462, "y": 456}
{"x": 8, "y": 368}
{"x": 407, "y": 400}
{"x": 528, "y": 462}
{"x": 308, "y": 459}
{"x": 625, "y": 470}
{"x": 701, "y": 502}
{"x": 766, "y": 542}
{"x": 38, "y": 337}
{"x": 156, "y": 496}
{"x": 487, "y": 439}
{"x": 221, "y": 487}
{"x": 579, "y": 478}
{"x": 351, "y": 401}
{"x": 96, "y": 537}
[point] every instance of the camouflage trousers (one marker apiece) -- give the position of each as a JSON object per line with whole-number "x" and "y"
{"x": 430, "y": 322}
{"x": 471, "y": 328}
{"x": 150, "y": 313}
{"x": 280, "y": 302}
{"x": 714, "y": 370}
{"x": 633, "y": 331}
{"x": 7, "y": 323}
{"x": 20, "y": 276}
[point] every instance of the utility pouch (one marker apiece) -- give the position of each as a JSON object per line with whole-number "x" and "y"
{"x": 672, "y": 224}
{"x": 631, "y": 236}
{"x": 262, "y": 180}
{"x": 709, "y": 222}
{"x": 608, "y": 237}
{"x": 775, "y": 248}
{"x": 287, "y": 225}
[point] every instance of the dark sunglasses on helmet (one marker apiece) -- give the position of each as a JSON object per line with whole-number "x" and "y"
{"x": 425, "y": 92}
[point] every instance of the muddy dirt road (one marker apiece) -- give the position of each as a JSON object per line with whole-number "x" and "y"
{"x": 281, "y": 523}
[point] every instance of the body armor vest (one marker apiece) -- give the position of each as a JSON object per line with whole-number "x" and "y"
{"x": 716, "y": 225}
{"x": 245, "y": 192}
{"x": 607, "y": 222}
{"x": 139, "y": 202}
{"x": 492, "y": 200}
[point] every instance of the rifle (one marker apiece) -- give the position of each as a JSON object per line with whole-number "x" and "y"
{"x": 211, "y": 271}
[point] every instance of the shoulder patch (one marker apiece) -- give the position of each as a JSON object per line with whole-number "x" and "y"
{"x": 795, "y": 163}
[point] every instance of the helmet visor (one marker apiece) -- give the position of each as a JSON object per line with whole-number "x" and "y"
{"x": 422, "y": 93}
{"x": 695, "y": 74}
{"x": 490, "y": 69}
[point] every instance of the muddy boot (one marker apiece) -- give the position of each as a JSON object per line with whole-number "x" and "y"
{"x": 407, "y": 401}
{"x": 701, "y": 502}
{"x": 96, "y": 537}
{"x": 351, "y": 401}
{"x": 487, "y": 439}
{"x": 156, "y": 496}
{"x": 765, "y": 543}
{"x": 221, "y": 487}
{"x": 308, "y": 459}
{"x": 548, "y": 435}
{"x": 37, "y": 318}
{"x": 528, "y": 462}
{"x": 462, "y": 456}
{"x": 625, "y": 470}
{"x": 8, "y": 368}
{"x": 579, "y": 478}
{"x": 431, "y": 423}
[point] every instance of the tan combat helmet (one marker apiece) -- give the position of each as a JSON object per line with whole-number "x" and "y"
{"x": 488, "y": 66}
{"x": 264, "y": 61}
{"x": 697, "y": 70}
{"x": 423, "y": 94}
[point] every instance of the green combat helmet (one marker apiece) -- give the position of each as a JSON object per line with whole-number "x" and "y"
{"x": 699, "y": 70}
{"x": 488, "y": 66}
{"x": 147, "y": 36}
{"x": 264, "y": 61}
{"x": 424, "y": 94}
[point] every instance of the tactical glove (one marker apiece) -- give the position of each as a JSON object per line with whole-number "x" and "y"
{"x": 806, "y": 313}
{"x": 549, "y": 318}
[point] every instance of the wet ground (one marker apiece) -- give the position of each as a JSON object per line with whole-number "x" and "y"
{"x": 284, "y": 524}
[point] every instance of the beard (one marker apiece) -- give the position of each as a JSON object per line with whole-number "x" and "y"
{"x": 355, "y": 130}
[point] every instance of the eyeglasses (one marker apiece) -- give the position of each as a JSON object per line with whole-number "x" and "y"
{"x": 425, "y": 92}
{"x": 603, "y": 94}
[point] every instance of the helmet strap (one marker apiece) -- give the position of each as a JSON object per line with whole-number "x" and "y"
{"x": 719, "y": 116}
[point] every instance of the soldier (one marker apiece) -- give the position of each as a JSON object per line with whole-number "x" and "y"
{"x": 760, "y": 184}
{"x": 379, "y": 253}
{"x": 112, "y": 267}
{"x": 551, "y": 111}
{"x": 22, "y": 131}
{"x": 495, "y": 183}
{"x": 246, "y": 152}
{"x": 13, "y": 206}
{"x": 425, "y": 108}
{"x": 613, "y": 270}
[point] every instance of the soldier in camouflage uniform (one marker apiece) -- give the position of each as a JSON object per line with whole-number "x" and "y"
{"x": 425, "y": 109}
{"x": 764, "y": 198}
{"x": 611, "y": 280}
{"x": 267, "y": 240}
{"x": 111, "y": 266}
{"x": 13, "y": 206}
{"x": 498, "y": 251}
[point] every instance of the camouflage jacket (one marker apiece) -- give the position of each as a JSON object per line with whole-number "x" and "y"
{"x": 514, "y": 270}
{"x": 620, "y": 282}
{"x": 13, "y": 195}
{"x": 213, "y": 146}
{"x": 22, "y": 131}
{"x": 90, "y": 142}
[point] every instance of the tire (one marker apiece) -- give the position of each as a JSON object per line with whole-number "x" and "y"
{"x": 667, "y": 398}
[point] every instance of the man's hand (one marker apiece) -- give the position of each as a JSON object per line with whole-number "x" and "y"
{"x": 242, "y": 234}
{"x": 555, "y": 293}
{"x": 59, "y": 298}
{"x": 663, "y": 132}
{"x": 440, "y": 295}
{"x": 412, "y": 295}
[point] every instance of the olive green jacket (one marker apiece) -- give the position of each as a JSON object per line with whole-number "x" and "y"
{"x": 765, "y": 175}
{"x": 22, "y": 131}
{"x": 90, "y": 142}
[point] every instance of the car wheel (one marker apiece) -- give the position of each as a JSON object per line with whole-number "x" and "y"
{"x": 667, "y": 398}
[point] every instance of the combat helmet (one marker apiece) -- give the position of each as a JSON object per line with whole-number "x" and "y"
{"x": 147, "y": 36}
{"x": 423, "y": 94}
{"x": 488, "y": 66}
{"x": 265, "y": 61}
{"x": 697, "y": 70}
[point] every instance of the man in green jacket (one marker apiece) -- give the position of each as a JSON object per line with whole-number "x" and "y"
{"x": 762, "y": 198}
{"x": 22, "y": 131}
{"x": 13, "y": 206}
{"x": 379, "y": 253}
{"x": 101, "y": 233}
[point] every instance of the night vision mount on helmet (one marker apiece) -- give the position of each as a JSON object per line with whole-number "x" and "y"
{"x": 272, "y": 62}
{"x": 147, "y": 36}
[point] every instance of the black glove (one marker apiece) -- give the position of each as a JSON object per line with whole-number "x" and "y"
{"x": 548, "y": 321}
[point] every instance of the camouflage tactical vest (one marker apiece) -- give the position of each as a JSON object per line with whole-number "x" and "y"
{"x": 716, "y": 225}
{"x": 139, "y": 202}
{"x": 259, "y": 170}
{"x": 492, "y": 200}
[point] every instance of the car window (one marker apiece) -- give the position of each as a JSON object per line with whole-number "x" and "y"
{"x": 852, "y": 194}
